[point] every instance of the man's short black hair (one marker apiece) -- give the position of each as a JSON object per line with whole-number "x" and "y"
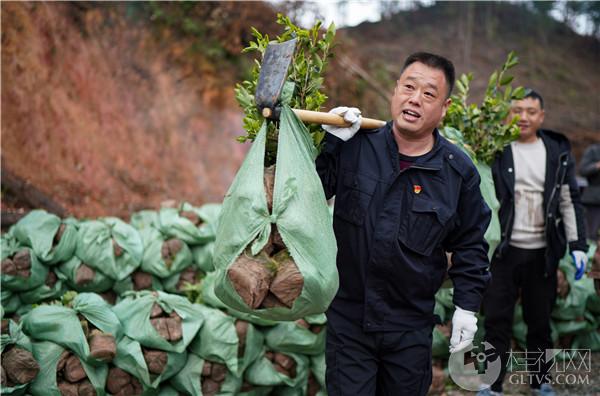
{"x": 435, "y": 62}
{"x": 530, "y": 93}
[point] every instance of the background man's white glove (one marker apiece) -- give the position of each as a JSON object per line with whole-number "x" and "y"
{"x": 464, "y": 327}
{"x": 579, "y": 261}
{"x": 351, "y": 115}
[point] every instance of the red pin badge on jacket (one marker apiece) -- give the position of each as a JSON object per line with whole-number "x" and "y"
{"x": 417, "y": 189}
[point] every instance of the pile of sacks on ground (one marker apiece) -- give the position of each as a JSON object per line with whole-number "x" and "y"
{"x": 102, "y": 307}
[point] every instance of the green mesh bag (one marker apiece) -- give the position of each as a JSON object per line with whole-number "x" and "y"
{"x": 38, "y": 230}
{"x": 130, "y": 358}
{"x": 189, "y": 379}
{"x": 68, "y": 270}
{"x": 134, "y": 313}
{"x": 17, "y": 338}
{"x": 61, "y": 325}
{"x": 153, "y": 260}
{"x": 48, "y": 354}
{"x": 172, "y": 223}
{"x": 110, "y": 246}
{"x": 300, "y": 213}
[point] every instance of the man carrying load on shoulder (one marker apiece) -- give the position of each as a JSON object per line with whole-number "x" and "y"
{"x": 404, "y": 196}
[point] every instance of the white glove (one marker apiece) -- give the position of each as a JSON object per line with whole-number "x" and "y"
{"x": 464, "y": 327}
{"x": 579, "y": 261}
{"x": 351, "y": 115}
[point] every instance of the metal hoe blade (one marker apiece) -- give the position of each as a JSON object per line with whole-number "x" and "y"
{"x": 273, "y": 72}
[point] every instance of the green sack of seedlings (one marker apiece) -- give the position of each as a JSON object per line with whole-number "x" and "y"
{"x": 110, "y": 246}
{"x": 51, "y": 358}
{"x": 587, "y": 322}
{"x": 150, "y": 366}
{"x": 195, "y": 226}
{"x": 276, "y": 368}
{"x": 573, "y": 305}
{"x": 304, "y": 282}
{"x": 19, "y": 366}
{"x": 159, "y": 320}
{"x": 225, "y": 339}
{"x": 10, "y": 301}
{"x": 138, "y": 281}
{"x": 588, "y": 340}
{"x": 210, "y": 298}
{"x": 314, "y": 384}
{"x": 177, "y": 283}
{"x": 164, "y": 257}
{"x": 217, "y": 340}
{"x": 486, "y": 186}
{"x": 144, "y": 219}
{"x": 444, "y": 298}
{"x": 83, "y": 278}
{"x": 205, "y": 377}
{"x": 306, "y": 336}
{"x": 51, "y": 239}
{"x": 21, "y": 270}
{"x": 53, "y": 288}
{"x": 209, "y": 214}
{"x": 203, "y": 257}
{"x": 62, "y": 325}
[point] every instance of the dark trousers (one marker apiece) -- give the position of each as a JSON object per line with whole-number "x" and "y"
{"x": 520, "y": 273}
{"x": 392, "y": 363}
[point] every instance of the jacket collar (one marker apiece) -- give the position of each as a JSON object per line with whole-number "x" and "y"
{"x": 430, "y": 161}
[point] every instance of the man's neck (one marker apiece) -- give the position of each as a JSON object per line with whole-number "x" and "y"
{"x": 528, "y": 140}
{"x": 413, "y": 147}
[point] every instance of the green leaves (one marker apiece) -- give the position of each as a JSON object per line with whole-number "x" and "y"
{"x": 313, "y": 50}
{"x": 486, "y": 128}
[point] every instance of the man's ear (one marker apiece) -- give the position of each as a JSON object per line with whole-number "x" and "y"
{"x": 445, "y": 107}
{"x": 543, "y": 115}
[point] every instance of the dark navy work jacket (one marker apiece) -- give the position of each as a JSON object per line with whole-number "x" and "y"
{"x": 392, "y": 228}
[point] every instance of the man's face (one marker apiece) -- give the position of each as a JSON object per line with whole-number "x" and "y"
{"x": 419, "y": 102}
{"x": 531, "y": 117}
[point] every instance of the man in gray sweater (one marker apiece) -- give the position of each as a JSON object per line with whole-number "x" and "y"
{"x": 541, "y": 216}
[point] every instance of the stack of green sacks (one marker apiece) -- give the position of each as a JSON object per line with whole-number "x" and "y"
{"x": 220, "y": 351}
{"x": 152, "y": 349}
{"x": 177, "y": 244}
